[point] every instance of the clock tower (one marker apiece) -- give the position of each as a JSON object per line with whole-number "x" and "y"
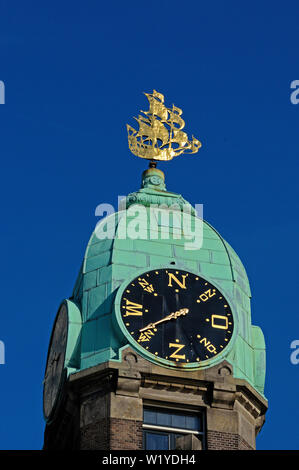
{"x": 155, "y": 348}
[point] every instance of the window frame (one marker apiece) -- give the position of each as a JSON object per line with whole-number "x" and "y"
{"x": 200, "y": 412}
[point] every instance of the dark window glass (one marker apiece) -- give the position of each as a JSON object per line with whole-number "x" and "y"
{"x": 165, "y": 438}
{"x": 156, "y": 441}
{"x": 149, "y": 417}
{"x": 192, "y": 422}
{"x": 163, "y": 419}
{"x": 173, "y": 420}
{"x": 178, "y": 421}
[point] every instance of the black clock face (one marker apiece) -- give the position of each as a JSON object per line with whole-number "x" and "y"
{"x": 55, "y": 361}
{"x": 177, "y": 316}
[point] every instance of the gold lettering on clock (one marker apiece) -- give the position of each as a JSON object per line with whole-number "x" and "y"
{"x": 172, "y": 277}
{"x": 145, "y": 336}
{"x": 206, "y": 295}
{"x": 215, "y": 322}
{"x": 207, "y": 344}
{"x": 175, "y": 354}
{"x": 133, "y": 309}
{"x": 145, "y": 285}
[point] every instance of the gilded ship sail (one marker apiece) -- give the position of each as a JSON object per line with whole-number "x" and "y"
{"x": 160, "y": 135}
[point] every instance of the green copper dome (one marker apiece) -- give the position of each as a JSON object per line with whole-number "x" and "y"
{"x": 111, "y": 261}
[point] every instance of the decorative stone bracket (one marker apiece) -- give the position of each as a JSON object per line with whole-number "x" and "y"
{"x": 129, "y": 379}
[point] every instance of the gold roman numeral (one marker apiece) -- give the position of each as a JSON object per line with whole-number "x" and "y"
{"x": 133, "y": 309}
{"x": 175, "y": 354}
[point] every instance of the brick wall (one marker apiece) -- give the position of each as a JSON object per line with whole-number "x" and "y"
{"x": 113, "y": 434}
{"x": 125, "y": 434}
{"x": 226, "y": 441}
{"x": 95, "y": 436}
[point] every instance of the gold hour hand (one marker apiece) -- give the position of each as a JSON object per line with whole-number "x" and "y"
{"x": 171, "y": 316}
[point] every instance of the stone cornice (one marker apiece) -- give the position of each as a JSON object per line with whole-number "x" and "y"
{"x": 134, "y": 376}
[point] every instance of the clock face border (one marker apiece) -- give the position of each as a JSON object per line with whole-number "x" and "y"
{"x": 119, "y": 324}
{"x": 71, "y": 353}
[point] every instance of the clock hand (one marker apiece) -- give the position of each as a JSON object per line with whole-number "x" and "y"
{"x": 171, "y": 316}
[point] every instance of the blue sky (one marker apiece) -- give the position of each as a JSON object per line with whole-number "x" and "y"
{"x": 74, "y": 74}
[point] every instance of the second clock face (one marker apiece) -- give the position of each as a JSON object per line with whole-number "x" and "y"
{"x": 55, "y": 361}
{"x": 177, "y": 316}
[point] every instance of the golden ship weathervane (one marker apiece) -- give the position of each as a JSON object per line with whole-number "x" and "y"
{"x": 160, "y": 135}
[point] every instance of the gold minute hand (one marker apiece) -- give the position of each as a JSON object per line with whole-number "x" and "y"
{"x": 171, "y": 316}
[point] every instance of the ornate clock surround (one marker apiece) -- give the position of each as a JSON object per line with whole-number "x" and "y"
{"x": 122, "y": 331}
